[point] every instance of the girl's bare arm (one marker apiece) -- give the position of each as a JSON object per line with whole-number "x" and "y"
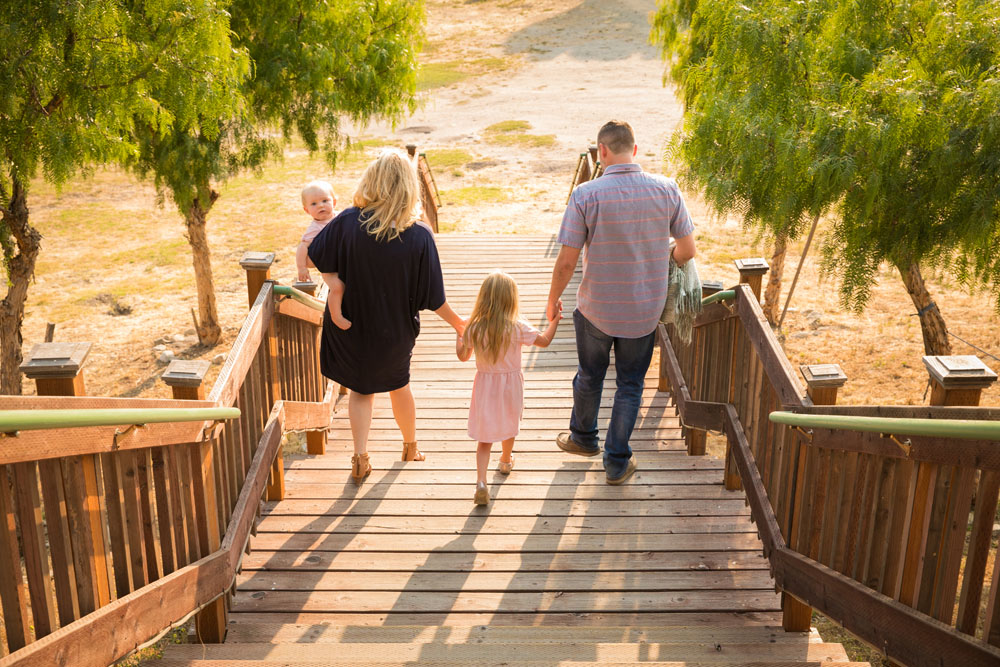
{"x": 463, "y": 352}
{"x": 545, "y": 338}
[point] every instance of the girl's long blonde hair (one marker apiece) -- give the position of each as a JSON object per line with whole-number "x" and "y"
{"x": 388, "y": 196}
{"x": 494, "y": 317}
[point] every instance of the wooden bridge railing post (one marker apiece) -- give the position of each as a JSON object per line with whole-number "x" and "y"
{"x": 79, "y": 553}
{"x": 823, "y": 381}
{"x": 752, "y": 273}
{"x": 186, "y": 381}
{"x": 315, "y": 440}
{"x": 258, "y": 268}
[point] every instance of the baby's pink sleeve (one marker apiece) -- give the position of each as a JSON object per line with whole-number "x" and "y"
{"x": 528, "y": 333}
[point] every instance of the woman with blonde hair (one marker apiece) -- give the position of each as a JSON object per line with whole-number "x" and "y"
{"x": 387, "y": 264}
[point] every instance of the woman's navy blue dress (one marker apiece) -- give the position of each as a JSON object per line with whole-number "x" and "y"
{"x": 387, "y": 284}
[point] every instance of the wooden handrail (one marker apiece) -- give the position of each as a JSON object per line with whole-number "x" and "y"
{"x": 179, "y": 500}
{"x": 730, "y": 377}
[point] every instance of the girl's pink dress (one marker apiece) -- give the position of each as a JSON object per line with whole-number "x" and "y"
{"x": 498, "y": 391}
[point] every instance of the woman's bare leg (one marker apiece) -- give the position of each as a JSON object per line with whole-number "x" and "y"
{"x": 359, "y": 411}
{"x": 404, "y": 410}
{"x": 482, "y": 460}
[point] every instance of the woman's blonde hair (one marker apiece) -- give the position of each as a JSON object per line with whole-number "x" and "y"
{"x": 388, "y": 196}
{"x": 494, "y": 317}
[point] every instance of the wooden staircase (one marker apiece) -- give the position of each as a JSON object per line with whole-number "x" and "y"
{"x": 559, "y": 568}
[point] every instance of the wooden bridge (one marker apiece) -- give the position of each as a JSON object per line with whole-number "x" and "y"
{"x": 559, "y": 568}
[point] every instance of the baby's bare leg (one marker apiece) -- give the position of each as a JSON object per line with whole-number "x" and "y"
{"x": 335, "y": 301}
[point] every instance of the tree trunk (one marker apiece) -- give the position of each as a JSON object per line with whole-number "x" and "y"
{"x": 20, "y": 269}
{"x": 209, "y": 331}
{"x": 932, "y": 324}
{"x": 773, "y": 292}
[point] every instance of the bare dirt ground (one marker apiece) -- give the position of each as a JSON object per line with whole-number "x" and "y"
{"x": 512, "y": 92}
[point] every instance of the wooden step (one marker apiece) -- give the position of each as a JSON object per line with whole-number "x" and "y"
{"x": 511, "y": 652}
{"x": 326, "y": 634}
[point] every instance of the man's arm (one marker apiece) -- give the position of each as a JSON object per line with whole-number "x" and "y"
{"x": 683, "y": 250}
{"x": 562, "y": 272}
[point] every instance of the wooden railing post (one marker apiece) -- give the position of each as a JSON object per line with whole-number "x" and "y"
{"x": 57, "y": 369}
{"x": 823, "y": 382}
{"x": 930, "y": 561}
{"x": 752, "y": 273}
{"x": 186, "y": 379}
{"x": 258, "y": 268}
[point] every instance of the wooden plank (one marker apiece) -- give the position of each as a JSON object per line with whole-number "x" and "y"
{"x": 366, "y": 506}
{"x": 84, "y": 514}
{"x": 979, "y": 548}
{"x": 486, "y": 524}
{"x": 515, "y": 543}
{"x": 178, "y": 516}
{"x": 290, "y": 308}
{"x": 255, "y": 632}
{"x": 704, "y": 621}
{"x": 565, "y": 464}
{"x": 13, "y": 592}
{"x": 151, "y": 540}
{"x": 508, "y": 582}
{"x": 164, "y": 512}
{"x": 411, "y": 476}
{"x": 34, "y": 551}
{"x": 378, "y": 601}
{"x": 501, "y": 492}
{"x": 953, "y": 545}
{"x": 60, "y": 541}
{"x": 129, "y": 477}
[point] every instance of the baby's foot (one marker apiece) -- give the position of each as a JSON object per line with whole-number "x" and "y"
{"x": 340, "y": 321}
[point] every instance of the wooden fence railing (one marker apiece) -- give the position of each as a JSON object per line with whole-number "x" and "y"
{"x": 118, "y": 534}
{"x": 872, "y": 530}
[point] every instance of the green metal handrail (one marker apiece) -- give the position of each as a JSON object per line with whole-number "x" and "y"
{"x": 724, "y": 295}
{"x": 300, "y": 296}
{"x": 34, "y": 420}
{"x": 934, "y": 428}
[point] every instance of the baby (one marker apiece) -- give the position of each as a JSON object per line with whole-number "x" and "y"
{"x": 318, "y": 201}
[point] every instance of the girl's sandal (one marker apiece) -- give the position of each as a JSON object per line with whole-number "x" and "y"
{"x": 482, "y": 496}
{"x": 411, "y": 453}
{"x": 361, "y": 467}
{"x": 505, "y": 467}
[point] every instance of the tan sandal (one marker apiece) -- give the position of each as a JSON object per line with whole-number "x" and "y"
{"x": 482, "y": 496}
{"x": 504, "y": 467}
{"x": 361, "y": 467}
{"x": 411, "y": 453}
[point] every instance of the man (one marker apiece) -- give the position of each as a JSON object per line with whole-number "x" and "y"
{"x": 625, "y": 220}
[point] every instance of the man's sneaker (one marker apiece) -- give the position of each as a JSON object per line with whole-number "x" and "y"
{"x": 568, "y": 444}
{"x": 629, "y": 469}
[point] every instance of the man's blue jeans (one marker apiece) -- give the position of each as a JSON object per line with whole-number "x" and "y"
{"x": 632, "y": 357}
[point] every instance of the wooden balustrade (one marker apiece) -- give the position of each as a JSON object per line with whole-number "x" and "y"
{"x": 870, "y": 529}
{"x": 123, "y": 532}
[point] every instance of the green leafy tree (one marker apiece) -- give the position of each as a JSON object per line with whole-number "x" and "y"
{"x": 880, "y": 113}
{"x": 316, "y": 63}
{"x": 76, "y": 78}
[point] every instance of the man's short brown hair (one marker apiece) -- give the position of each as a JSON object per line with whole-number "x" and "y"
{"x": 617, "y": 137}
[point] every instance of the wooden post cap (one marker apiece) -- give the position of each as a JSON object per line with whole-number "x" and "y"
{"x": 821, "y": 376}
{"x": 55, "y": 360}
{"x": 710, "y": 287}
{"x": 307, "y": 286}
{"x": 963, "y": 371}
{"x": 257, "y": 261}
{"x": 753, "y": 266}
{"x": 411, "y": 149}
{"x": 185, "y": 373}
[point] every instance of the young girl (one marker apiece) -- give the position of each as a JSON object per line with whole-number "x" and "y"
{"x": 496, "y": 333}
